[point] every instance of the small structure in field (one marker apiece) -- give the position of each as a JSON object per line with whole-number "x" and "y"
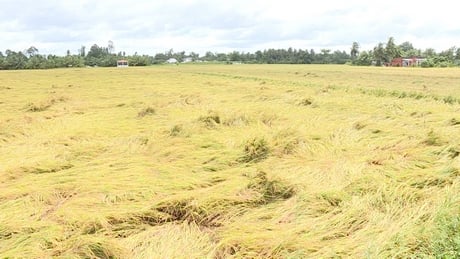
{"x": 187, "y": 60}
{"x": 407, "y": 62}
{"x": 172, "y": 61}
{"x": 122, "y": 63}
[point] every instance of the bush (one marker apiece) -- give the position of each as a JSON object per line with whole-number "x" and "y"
{"x": 427, "y": 63}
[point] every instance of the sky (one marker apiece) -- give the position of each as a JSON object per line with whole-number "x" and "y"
{"x": 153, "y": 26}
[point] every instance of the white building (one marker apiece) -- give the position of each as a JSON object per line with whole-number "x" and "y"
{"x": 187, "y": 60}
{"x": 171, "y": 61}
{"x": 122, "y": 63}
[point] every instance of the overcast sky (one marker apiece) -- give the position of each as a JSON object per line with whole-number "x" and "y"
{"x": 152, "y": 26}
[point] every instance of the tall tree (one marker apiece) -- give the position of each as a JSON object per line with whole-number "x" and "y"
{"x": 364, "y": 59}
{"x": 429, "y": 53}
{"x": 110, "y": 47}
{"x": 449, "y": 54}
{"x": 96, "y": 52}
{"x": 195, "y": 56}
{"x": 406, "y": 46}
{"x": 31, "y": 51}
{"x": 82, "y": 51}
{"x": 354, "y": 50}
{"x": 379, "y": 54}
{"x": 15, "y": 60}
{"x": 392, "y": 50}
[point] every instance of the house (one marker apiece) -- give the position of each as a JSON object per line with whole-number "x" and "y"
{"x": 171, "y": 61}
{"x": 407, "y": 62}
{"x": 122, "y": 63}
{"x": 187, "y": 60}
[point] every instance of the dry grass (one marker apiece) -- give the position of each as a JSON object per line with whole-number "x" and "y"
{"x": 214, "y": 161}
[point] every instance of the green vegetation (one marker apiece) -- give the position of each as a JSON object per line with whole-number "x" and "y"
{"x": 99, "y": 56}
{"x": 217, "y": 161}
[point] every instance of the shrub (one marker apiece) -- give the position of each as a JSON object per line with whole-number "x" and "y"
{"x": 427, "y": 63}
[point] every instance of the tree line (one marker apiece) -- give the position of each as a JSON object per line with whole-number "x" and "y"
{"x": 104, "y": 56}
{"x": 384, "y": 53}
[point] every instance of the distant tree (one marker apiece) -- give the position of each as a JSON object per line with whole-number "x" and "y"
{"x": 364, "y": 59}
{"x": 93, "y": 56}
{"x": 36, "y": 62}
{"x": 354, "y": 50}
{"x": 195, "y": 56}
{"x": 259, "y": 56}
{"x": 324, "y": 57}
{"x": 306, "y": 57}
{"x": 170, "y": 53}
{"x": 54, "y": 61}
{"x": 379, "y": 54}
{"x": 160, "y": 58}
{"x": 221, "y": 57}
{"x": 209, "y": 56}
{"x": 96, "y": 52}
{"x": 2, "y": 58}
{"x": 138, "y": 60}
{"x": 325, "y": 52}
{"x": 408, "y": 50}
{"x": 180, "y": 56}
{"x": 457, "y": 54}
{"x": 391, "y": 50}
{"x": 339, "y": 57}
{"x": 234, "y": 56}
{"x": 406, "y": 46}
{"x": 99, "y": 56}
{"x": 110, "y": 47}
{"x": 449, "y": 54}
{"x": 15, "y": 60}
{"x": 82, "y": 51}
{"x": 430, "y": 52}
{"x": 31, "y": 51}
{"x": 73, "y": 61}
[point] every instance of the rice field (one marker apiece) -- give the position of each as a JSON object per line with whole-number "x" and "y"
{"x": 230, "y": 161}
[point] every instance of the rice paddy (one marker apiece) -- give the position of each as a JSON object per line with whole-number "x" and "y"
{"x": 230, "y": 161}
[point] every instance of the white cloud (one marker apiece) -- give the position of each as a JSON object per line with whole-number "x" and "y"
{"x": 198, "y": 25}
